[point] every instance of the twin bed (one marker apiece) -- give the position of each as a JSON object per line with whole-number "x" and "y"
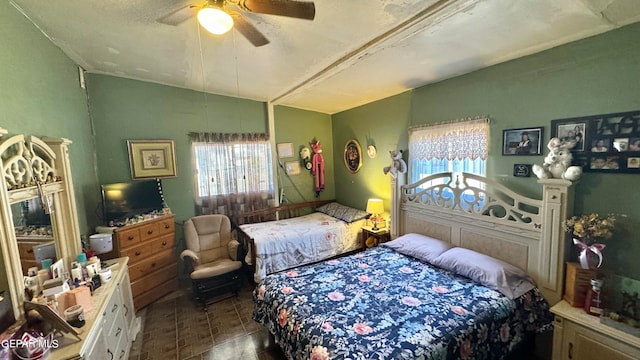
{"x": 472, "y": 276}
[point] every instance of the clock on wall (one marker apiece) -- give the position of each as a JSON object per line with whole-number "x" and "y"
{"x": 352, "y": 156}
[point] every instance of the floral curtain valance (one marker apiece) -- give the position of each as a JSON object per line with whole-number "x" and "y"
{"x": 227, "y": 137}
{"x": 460, "y": 139}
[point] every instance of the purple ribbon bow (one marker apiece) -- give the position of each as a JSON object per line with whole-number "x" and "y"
{"x": 595, "y": 248}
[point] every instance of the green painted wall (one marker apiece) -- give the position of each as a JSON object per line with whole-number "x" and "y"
{"x": 300, "y": 127}
{"x": 40, "y": 95}
{"x": 382, "y": 124}
{"x": 124, "y": 109}
{"x": 594, "y": 76}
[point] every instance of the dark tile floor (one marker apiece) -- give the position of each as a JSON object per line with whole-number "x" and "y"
{"x": 174, "y": 327}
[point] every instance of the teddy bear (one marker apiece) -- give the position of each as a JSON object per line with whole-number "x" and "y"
{"x": 397, "y": 163}
{"x": 557, "y": 164}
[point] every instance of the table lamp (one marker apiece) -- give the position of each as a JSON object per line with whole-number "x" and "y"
{"x": 375, "y": 207}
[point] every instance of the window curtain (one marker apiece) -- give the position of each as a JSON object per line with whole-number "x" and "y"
{"x": 232, "y": 173}
{"x": 460, "y": 145}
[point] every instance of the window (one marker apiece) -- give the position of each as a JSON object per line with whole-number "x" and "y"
{"x": 224, "y": 169}
{"x": 460, "y": 146}
{"x": 232, "y": 172}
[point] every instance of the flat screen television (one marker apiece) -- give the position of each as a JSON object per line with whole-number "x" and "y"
{"x": 129, "y": 199}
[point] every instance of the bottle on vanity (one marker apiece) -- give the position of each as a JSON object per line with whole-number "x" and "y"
{"x": 594, "y": 302}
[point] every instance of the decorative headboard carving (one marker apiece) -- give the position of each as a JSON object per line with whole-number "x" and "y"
{"x": 477, "y": 213}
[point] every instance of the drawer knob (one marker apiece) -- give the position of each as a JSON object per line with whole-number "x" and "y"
{"x": 166, "y": 226}
{"x": 130, "y": 237}
{"x": 150, "y": 232}
{"x": 153, "y": 264}
{"x": 138, "y": 253}
{"x": 164, "y": 243}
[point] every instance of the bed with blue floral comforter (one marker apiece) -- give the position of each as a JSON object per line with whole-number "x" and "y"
{"x": 380, "y": 304}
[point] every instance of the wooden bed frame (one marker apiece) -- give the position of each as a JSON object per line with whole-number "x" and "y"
{"x": 275, "y": 213}
{"x": 519, "y": 230}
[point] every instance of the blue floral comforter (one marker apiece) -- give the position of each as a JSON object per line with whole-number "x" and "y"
{"x": 380, "y": 304}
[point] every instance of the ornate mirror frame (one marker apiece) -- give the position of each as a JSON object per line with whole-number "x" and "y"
{"x": 27, "y": 163}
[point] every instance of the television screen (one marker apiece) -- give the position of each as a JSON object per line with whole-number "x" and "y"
{"x": 130, "y": 199}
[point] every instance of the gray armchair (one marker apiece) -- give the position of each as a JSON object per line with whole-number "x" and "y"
{"x": 215, "y": 259}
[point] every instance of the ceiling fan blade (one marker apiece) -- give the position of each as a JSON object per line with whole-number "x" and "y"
{"x": 249, "y": 31}
{"x": 180, "y": 15}
{"x": 295, "y": 9}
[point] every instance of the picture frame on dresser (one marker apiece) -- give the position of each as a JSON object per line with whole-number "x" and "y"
{"x": 605, "y": 143}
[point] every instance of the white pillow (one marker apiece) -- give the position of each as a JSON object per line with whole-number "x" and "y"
{"x": 485, "y": 270}
{"x": 418, "y": 246}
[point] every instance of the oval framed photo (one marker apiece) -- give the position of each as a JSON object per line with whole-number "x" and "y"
{"x": 352, "y": 156}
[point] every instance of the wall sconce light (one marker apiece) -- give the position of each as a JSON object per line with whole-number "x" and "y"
{"x": 375, "y": 207}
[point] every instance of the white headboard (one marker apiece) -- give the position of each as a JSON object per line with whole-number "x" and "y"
{"x": 477, "y": 213}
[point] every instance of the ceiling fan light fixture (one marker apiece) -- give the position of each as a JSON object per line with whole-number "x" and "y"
{"x": 215, "y": 20}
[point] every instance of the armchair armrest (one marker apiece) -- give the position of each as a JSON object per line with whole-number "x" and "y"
{"x": 190, "y": 254}
{"x": 234, "y": 249}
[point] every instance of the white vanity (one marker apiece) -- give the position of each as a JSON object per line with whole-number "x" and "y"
{"x": 110, "y": 327}
{"x": 39, "y": 168}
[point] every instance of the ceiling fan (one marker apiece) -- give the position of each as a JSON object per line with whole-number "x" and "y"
{"x": 219, "y": 16}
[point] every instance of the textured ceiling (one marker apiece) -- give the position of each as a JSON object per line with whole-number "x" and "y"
{"x": 352, "y": 53}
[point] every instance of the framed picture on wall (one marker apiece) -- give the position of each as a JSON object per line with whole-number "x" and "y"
{"x": 572, "y": 130}
{"x": 292, "y": 167}
{"x": 285, "y": 150}
{"x": 152, "y": 159}
{"x": 526, "y": 141}
{"x": 605, "y": 143}
{"x": 352, "y": 156}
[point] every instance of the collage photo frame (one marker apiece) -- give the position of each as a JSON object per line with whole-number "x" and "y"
{"x": 606, "y": 143}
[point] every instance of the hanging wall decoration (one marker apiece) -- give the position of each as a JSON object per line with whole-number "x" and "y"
{"x": 352, "y": 156}
{"x": 317, "y": 168}
{"x": 607, "y": 143}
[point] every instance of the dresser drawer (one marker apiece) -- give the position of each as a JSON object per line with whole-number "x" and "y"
{"x": 112, "y": 311}
{"x": 137, "y": 253}
{"x": 163, "y": 243}
{"x": 158, "y": 278}
{"x": 150, "y": 296}
{"x": 166, "y": 226}
{"x": 148, "y": 266}
{"x": 149, "y": 231}
{"x": 129, "y": 237}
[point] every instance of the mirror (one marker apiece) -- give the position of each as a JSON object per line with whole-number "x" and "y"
{"x": 33, "y": 169}
{"x": 34, "y": 234}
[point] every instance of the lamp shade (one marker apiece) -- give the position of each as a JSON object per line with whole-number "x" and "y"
{"x": 215, "y": 20}
{"x": 375, "y": 206}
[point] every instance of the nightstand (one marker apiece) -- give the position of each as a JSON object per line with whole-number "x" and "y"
{"x": 578, "y": 335}
{"x": 381, "y": 235}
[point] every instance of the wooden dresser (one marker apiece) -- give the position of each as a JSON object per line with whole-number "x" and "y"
{"x": 153, "y": 263}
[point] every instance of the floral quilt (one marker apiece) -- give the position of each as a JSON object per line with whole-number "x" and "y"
{"x": 380, "y": 304}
